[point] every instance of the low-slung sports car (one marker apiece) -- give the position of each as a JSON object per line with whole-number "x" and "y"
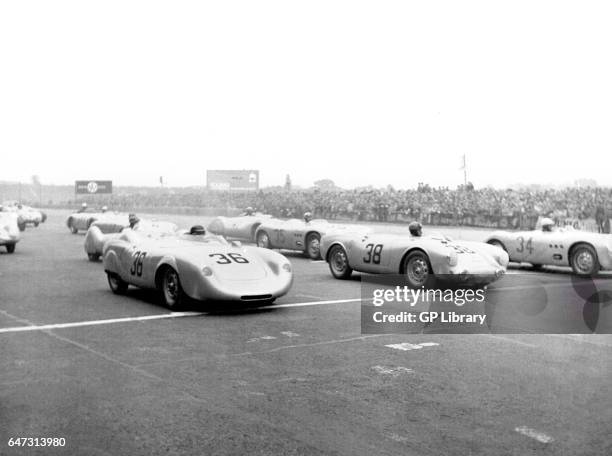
{"x": 242, "y": 227}
{"x": 586, "y": 253}
{"x": 26, "y": 215}
{"x": 294, "y": 234}
{"x": 9, "y": 230}
{"x": 422, "y": 260}
{"x": 81, "y": 221}
{"x": 102, "y": 231}
{"x": 199, "y": 267}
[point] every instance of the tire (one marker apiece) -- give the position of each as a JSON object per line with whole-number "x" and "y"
{"x": 171, "y": 291}
{"x": 583, "y": 260}
{"x": 263, "y": 240}
{"x": 116, "y": 284}
{"x": 338, "y": 263}
{"x": 22, "y": 226}
{"x": 93, "y": 256}
{"x": 36, "y": 224}
{"x": 313, "y": 246}
{"x": 536, "y": 267}
{"x": 417, "y": 270}
{"x": 10, "y": 248}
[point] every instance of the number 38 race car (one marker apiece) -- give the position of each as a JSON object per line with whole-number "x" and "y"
{"x": 200, "y": 267}
{"x": 420, "y": 259}
{"x": 587, "y": 253}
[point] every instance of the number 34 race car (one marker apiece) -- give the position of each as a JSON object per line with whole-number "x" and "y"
{"x": 587, "y": 253}
{"x": 420, "y": 259}
{"x": 200, "y": 267}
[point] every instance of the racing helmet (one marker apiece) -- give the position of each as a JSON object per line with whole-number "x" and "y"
{"x": 133, "y": 219}
{"x": 84, "y": 205}
{"x": 104, "y": 208}
{"x": 307, "y": 216}
{"x": 416, "y": 229}
{"x": 249, "y": 211}
{"x": 547, "y": 224}
{"x": 197, "y": 230}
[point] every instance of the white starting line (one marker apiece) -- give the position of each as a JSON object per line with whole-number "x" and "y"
{"x": 78, "y": 324}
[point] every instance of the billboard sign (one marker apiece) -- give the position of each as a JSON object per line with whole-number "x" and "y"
{"x": 93, "y": 187}
{"x": 242, "y": 179}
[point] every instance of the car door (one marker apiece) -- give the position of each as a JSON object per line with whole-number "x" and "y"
{"x": 371, "y": 253}
{"x": 546, "y": 247}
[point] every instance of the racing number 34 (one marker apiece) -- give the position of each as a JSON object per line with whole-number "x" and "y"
{"x": 373, "y": 253}
{"x": 524, "y": 245}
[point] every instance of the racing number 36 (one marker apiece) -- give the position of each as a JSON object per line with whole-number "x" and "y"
{"x": 227, "y": 259}
{"x": 137, "y": 264}
{"x": 373, "y": 253}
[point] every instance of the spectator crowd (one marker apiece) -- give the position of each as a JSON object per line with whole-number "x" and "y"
{"x": 520, "y": 207}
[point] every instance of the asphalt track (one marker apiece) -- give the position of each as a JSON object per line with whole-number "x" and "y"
{"x": 120, "y": 375}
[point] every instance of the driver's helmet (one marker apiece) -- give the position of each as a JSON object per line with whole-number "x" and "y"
{"x": 547, "y": 224}
{"x": 307, "y": 217}
{"x": 133, "y": 219}
{"x": 415, "y": 228}
{"x": 197, "y": 230}
{"x": 104, "y": 208}
{"x": 249, "y": 211}
{"x": 84, "y": 205}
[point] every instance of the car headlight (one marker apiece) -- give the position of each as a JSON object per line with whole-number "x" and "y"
{"x": 207, "y": 271}
{"x": 286, "y": 267}
{"x": 452, "y": 258}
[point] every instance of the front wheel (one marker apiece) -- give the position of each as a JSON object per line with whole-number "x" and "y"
{"x": 172, "y": 292}
{"x": 584, "y": 260}
{"x": 36, "y": 224}
{"x": 10, "y": 248}
{"x": 93, "y": 256}
{"x": 417, "y": 270}
{"x": 313, "y": 246}
{"x": 338, "y": 263}
{"x": 263, "y": 240}
{"x": 22, "y": 226}
{"x": 497, "y": 243}
{"x": 116, "y": 284}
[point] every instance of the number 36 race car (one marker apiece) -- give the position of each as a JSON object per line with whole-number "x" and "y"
{"x": 420, "y": 259}
{"x": 587, "y": 253}
{"x": 200, "y": 267}
{"x": 9, "y": 230}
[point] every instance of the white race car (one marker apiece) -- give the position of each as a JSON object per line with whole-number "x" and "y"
{"x": 102, "y": 231}
{"x": 81, "y": 221}
{"x": 200, "y": 267}
{"x": 9, "y": 230}
{"x": 586, "y": 253}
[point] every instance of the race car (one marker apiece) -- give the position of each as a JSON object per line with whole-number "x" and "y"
{"x": 294, "y": 234}
{"x": 26, "y": 215}
{"x": 242, "y": 227}
{"x": 198, "y": 267}
{"x": 102, "y": 231}
{"x": 9, "y": 230}
{"x": 83, "y": 220}
{"x": 422, "y": 260}
{"x": 586, "y": 253}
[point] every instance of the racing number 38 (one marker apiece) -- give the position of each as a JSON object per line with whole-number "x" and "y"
{"x": 373, "y": 253}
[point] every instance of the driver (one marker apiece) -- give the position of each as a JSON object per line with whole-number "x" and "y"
{"x": 249, "y": 211}
{"x": 134, "y": 221}
{"x": 83, "y": 207}
{"x": 547, "y": 224}
{"x": 197, "y": 230}
{"x": 307, "y": 217}
{"x": 104, "y": 209}
{"x": 416, "y": 229}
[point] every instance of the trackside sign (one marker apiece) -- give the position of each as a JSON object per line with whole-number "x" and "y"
{"x": 244, "y": 179}
{"x": 90, "y": 187}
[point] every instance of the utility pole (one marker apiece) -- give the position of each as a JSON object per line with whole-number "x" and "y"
{"x": 464, "y": 168}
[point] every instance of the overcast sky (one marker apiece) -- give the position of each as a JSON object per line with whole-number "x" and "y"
{"x": 379, "y": 92}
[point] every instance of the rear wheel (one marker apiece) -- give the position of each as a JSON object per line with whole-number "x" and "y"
{"x": 498, "y": 244}
{"x": 21, "y": 225}
{"x": 313, "y": 246}
{"x": 36, "y": 224}
{"x": 10, "y": 248}
{"x": 116, "y": 284}
{"x": 338, "y": 263}
{"x": 263, "y": 240}
{"x": 93, "y": 256}
{"x": 583, "y": 260}
{"x": 172, "y": 292}
{"x": 417, "y": 269}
